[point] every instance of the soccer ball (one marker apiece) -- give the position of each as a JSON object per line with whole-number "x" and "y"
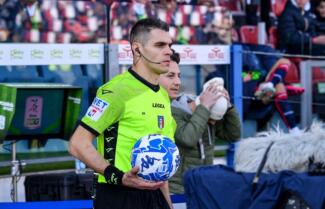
{"x": 157, "y": 157}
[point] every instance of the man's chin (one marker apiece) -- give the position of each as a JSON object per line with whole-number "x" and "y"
{"x": 173, "y": 96}
{"x": 163, "y": 70}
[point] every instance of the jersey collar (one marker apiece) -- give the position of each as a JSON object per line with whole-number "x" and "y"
{"x": 155, "y": 88}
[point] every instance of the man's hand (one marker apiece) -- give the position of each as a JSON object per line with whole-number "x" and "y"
{"x": 319, "y": 40}
{"x": 209, "y": 96}
{"x": 225, "y": 93}
{"x": 131, "y": 179}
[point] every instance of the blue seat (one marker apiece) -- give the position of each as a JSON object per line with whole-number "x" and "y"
{"x": 21, "y": 74}
{"x": 96, "y": 75}
{"x": 51, "y": 74}
{"x": 4, "y": 73}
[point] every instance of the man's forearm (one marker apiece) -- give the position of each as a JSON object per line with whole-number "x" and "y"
{"x": 82, "y": 148}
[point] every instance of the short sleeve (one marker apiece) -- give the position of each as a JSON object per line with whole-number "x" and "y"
{"x": 105, "y": 110}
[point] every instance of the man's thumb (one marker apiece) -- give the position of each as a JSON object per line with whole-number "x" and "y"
{"x": 135, "y": 170}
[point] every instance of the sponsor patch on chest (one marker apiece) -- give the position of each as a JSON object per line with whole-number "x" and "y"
{"x": 158, "y": 105}
{"x": 97, "y": 108}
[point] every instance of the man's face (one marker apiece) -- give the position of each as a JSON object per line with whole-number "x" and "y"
{"x": 301, "y": 3}
{"x": 223, "y": 29}
{"x": 321, "y": 9}
{"x": 157, "y": 49}
{"x": 171, "y": 80}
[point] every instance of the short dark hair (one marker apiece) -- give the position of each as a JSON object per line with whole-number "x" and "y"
{"x": 175, "y": 57}
{"x": 318, "y": 2}
{"x": 141, "y": 29}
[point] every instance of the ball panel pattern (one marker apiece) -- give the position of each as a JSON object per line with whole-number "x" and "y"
{"x": 157, "y": 157}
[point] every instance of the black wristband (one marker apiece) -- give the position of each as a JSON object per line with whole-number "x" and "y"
{"x": 113, "y": 175}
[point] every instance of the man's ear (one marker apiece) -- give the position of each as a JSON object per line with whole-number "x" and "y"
{"x": 135, "y": 48}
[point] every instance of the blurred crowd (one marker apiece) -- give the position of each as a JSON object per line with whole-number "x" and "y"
{"x": 52, "y": 22}
{"x": 301, "y": 23}
{"x": 56, "y": 21}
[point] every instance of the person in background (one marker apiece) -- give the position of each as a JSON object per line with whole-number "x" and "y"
{"x": 219, "y": 31}
{"x": 122, "y": 113}
{"x": 320, "y": 16}
{"x": 168, "y": 5}
{"x": 264, "y": 78}
{"x": 196, "y": 132}
{"x": 142, "y": 8}
{"x": 265, "y": 86}
{"x": 8, "y": 12}
{"x": 297, "y": 30}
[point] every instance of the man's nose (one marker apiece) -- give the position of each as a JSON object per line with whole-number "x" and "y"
{"x": 169, "y": 50}
{"x": 177, "y": 81}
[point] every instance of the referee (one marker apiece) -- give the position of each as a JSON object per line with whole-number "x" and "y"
{"x": 126, "y": 108}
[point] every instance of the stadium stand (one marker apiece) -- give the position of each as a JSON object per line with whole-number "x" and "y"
{"x": 69, "y": 74}
{"x": 186, "y": 21}
{"x": 21, "y": 74}
{"x": 293, "y": 76}
{"x": 248, "y": 34}
{"x": 234, "y": 35}
{"x": 85, "y": 21}
{"x": 277, "y": 6}
{"x": 318, "y": 75}
{"x": 273, "y": 37}
{"x": 235, "y": 5}
{"x": 94, "y": 73}
{"x": 62, "y": 22}
{"x": 4, "y": 73}
{"x": 82, "y": 21}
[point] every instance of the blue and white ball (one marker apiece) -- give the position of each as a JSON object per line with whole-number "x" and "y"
{"x": 157, "y": 157}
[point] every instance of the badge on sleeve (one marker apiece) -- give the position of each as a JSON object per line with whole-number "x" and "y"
{"x": 97, "y": 108}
